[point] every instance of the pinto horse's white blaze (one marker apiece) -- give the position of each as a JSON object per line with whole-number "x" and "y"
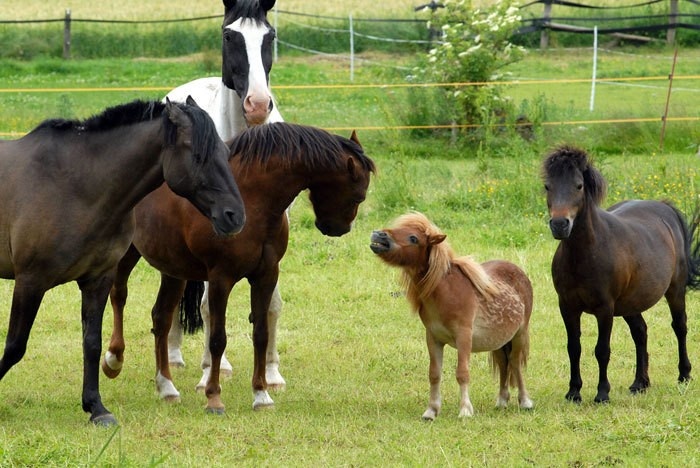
{"x": 257, "y": 101}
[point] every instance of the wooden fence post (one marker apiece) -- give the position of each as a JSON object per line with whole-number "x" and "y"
{"x": 672, "y": 20}
{"x": 66, "y": 35}
{"x": 546, "y": 17}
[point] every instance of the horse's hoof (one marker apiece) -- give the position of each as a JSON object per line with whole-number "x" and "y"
{"x": 429, "y": 415}
{"x": 111, "y": 366}
{"x": 684, "y": 378}
{"x": 216, "y": 411}
{"x": 104, "y": 420}
{"x": 574, "y": 397}
{"x": 274, "y": 379}
{"x": 527, "y": 404}
{"x": 276, "y": 387}
{"x": 603, "y": 399}
{"x": 171, "y": 398}
{"x": 108, "y": 371}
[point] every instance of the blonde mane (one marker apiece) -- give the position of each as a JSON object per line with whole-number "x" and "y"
{"x": 440, "y": 260}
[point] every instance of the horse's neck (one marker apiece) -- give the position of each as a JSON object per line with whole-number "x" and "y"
{"x": 588, "y": 226}
{"x": 274, "y": 186}
{"x": 129, "y": 166}
{"x": 228, "y": 118}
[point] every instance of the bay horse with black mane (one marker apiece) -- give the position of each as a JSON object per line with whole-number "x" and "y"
{"x": 69, "y": 189}
{"x": 617, "y": 262}
{"x": 272, "y": 164}
{"x": 240, "y": 98}
{"x": 470, "y": 306}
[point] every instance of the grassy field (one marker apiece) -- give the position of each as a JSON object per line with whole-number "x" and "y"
{"x": 352, "y": 353}
{"x": 354, "y": 356}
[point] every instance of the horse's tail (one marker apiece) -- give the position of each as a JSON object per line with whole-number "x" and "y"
{"x": 505, "y": 353}
{"x": 692, "y": 247}
{"x": 190, "y": 313}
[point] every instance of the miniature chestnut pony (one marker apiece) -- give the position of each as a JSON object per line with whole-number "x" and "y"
{"x": 470, "y": 306}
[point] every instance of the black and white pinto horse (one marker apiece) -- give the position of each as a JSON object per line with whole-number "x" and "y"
{"x": 241, "y": 98}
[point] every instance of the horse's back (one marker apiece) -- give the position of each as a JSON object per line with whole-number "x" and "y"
{"x": 511, "y": 275}
{"x": 205, "y": 92}
{"x": 652, "y": 232}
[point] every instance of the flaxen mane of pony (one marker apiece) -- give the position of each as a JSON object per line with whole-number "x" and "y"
{"x": 441, "y": 258}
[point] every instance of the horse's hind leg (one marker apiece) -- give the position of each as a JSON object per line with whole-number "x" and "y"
{"x": 275, "y": 381}
{"x": 499, "y": 362}
{"x": 169, "y": 295}
{"x": 638, "y": 330}
{"x": 26, "y": 300}
{"x": 675, "y": 296}
{"x": 517, "y": 361}
{"x": 114, "y": 356}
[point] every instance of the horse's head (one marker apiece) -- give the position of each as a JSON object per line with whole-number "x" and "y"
{"x": 247, "y": 56}
{"x": 408, "y": 243}
{"x": 572, "y": 185}
{"x": 337, "y": 195}
{"x": 195, "y": 166}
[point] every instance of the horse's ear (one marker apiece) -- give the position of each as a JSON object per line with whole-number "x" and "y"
{"x": 190, "y": 101}
{"x": 352, "y": 169}
{"x": 228, "y": 4}
{"x": 267, "y": 4}
{"x": 353, "y": 137}
{"x": 175, "y": 114}
{"x": 436, "y": 239}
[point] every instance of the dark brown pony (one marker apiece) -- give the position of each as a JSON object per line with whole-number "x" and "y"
{"x": 68, "y": 191}
{"x": 615, "y": 262}
{"x": 470, "y": 306}
{"x": 272, "y": 164}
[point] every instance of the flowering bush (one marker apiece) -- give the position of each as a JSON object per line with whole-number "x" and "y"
{"x": 474, "y": 44}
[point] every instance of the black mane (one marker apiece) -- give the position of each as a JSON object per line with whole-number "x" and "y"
{"x": 565, "y": 159}
{"x": 249, "y": 9}
{"x": 204, "y": 135}
{"x": 316, "y": 148}
{"x": 112, "y": 117}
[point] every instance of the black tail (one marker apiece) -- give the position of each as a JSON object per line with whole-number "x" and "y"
{"x": 190, "y": 314}
{"x": 693, "y": 251}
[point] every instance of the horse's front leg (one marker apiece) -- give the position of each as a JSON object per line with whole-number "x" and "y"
{"x": 435, "y": 351}
{"x": 261, "y": 291}
{"x": 169, "y": 295}
{"x": 275, "y": 381}
{"x": 225, "y": 369}
{"x": 218, "y": 292}
{"x": 94, "y": 298}
{"x": 464, "y": 351}
{"x": 602, "y": 353}
{"x": 572, "y": 322}
{"x": 638, "y": 330}
{"x": 114, "y": 356}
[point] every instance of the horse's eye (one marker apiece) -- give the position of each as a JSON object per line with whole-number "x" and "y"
{"x": 413, "y": 239}
{"x": 579, "y": 187}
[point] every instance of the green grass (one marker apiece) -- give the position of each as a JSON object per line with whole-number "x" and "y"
{"x": 355, "y": 358}
{"x": 353, "y": 355}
